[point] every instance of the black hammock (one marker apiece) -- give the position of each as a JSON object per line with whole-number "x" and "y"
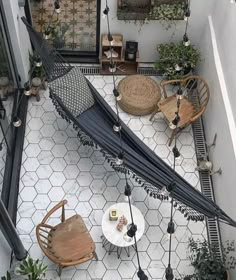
{"x": 78, "y": 102}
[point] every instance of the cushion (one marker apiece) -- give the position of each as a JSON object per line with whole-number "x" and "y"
{"x": 73, "y": 91}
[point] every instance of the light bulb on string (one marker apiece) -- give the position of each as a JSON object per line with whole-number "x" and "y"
{"x": 47, "y": 34}
{"x": 119, "y": 159}
{"x": 117, "y": 126}
{"x": 105, "y": 12}
{"x": 174, "y": 123}
{"x": 27, "y": 89}
{"x": 110, "y": 38}
{"x": 127, "y": 193}
{"x": 117, "y": 95}
{"x": 57, "y": 7}
{"x": 171, "y": 227}
{"x": 179, "y": 93}
{"x": 187, "y": 14}
{"x": 16, "y": 122}
{"x": 141, "y": 275}
{"x": 38, "y": 61}
{"x": 129, "y": 235}
{"x": 112, "y": 67}
{"x": 169, "y": 273}
{"x": 178, "y": 67}
{"x": 186, "y": 40}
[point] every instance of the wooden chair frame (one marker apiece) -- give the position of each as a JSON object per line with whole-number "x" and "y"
{"x": 43, "y": 230}
{"x": 200, "y": 103}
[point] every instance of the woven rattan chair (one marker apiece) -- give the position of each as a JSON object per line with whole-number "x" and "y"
{"x": 68, "y": 243}
{"x": 192, "y": 105}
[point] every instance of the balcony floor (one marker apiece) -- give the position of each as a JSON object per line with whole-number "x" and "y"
{"x": 56, "y": 166}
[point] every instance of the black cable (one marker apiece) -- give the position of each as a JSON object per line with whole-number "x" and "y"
{"x": 109, "y": 36}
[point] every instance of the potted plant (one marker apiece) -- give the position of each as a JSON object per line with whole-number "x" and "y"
{"x": 176, "y": 61}
{"x": 32, "y": 270}
{"x": 207, "y": 264}
{"x": 167, "y": 14}
{"x": 58, "y": 32}
{"x": 38, "y": 74}
{"x": 7, "y": 277}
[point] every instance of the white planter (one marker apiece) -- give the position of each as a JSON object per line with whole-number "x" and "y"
{"x": 36, "y": 82}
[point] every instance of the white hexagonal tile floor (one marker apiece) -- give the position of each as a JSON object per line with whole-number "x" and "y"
{"x": 56, "y": 166}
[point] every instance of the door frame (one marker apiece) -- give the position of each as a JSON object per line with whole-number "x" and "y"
{"x": 77, "y": 56}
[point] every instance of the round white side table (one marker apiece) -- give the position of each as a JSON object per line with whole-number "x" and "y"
{"x": 114, "y": 238}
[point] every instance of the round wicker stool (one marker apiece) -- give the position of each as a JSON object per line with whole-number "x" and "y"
{"x": 140, "y": 95}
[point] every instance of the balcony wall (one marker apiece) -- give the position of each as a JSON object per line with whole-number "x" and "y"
{"x": 154, "y": 33}
{"x": 218, "y": 49}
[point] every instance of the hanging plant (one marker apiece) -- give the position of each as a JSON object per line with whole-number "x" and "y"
{"x": 167, "y": 14}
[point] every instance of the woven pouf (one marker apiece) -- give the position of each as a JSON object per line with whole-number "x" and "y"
{"x": 140, "y": 95}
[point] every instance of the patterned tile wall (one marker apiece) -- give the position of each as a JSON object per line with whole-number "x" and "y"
{"x": 79, "y": 15}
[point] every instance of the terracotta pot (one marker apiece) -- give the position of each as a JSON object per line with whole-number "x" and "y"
{"x": 36, "y": 82}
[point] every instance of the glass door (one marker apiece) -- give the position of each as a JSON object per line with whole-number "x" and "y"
{"x": 8, "y": 87}
{"x": 74, "y": 31}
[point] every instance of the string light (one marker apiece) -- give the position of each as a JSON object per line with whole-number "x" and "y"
{"x": 117, "y": 95}
{"x": 117, "y": 127}
{"x": 128, "y": 191}
{"x": 27, "y": 89}
{"x": 179, "y": 94}
{"x": 170, "y": 188}
{"x": 38, "y": 61}
{"x": 105, "y": 12}
{"x": 57, "y": 7}
{"x": 186, "y": 40}
{"x": 187, "y": 14}
{"x": 119, "y": 159}
{"x": 174, "y": 123}
{"x": 131, "y": 232}
{"x": 17, "y": 122}
{"x": 47, "y": 34}
{"x": 178, "y": 67}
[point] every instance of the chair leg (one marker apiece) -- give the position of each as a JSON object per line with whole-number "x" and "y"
{"x": 154, "y": 113}
{"x": 172, "y": 135}
{"x": 59, "y": 269}
{"x": 95, "y": 256}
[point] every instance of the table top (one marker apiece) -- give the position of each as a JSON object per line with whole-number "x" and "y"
{"x": 109, "y": 227}
{"x": 140, "y": 94}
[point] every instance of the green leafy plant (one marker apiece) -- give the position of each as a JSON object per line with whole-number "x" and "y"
{"x": 167, "y": 14}
{"x": 141, "y": 14}
{"x": 34, "y": 270}
{"x": 7, "y": 277}
{"x": 176, "y": 60}
{"x": 58, "y": 32}
{"x": 207, "y": 264}
{"x": 38, "y": 71}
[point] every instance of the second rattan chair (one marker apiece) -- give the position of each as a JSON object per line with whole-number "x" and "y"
{"x": 68, "y": 243}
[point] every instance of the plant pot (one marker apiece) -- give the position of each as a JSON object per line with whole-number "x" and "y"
{"x": 59, "y": 44}
{"x": 36, "y": 82}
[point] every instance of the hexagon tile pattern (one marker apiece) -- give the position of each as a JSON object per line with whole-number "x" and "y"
{"x": 56, "y": 166}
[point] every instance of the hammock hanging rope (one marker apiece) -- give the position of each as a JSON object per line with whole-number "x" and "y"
{"x": 78, "y": 102}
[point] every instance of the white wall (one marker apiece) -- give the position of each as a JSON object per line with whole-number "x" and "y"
{"x": 224, "y": 20}
{"x": 19, "y": 37}
{"x": 216, "y": 69}
{"x": 154, "y": 33}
